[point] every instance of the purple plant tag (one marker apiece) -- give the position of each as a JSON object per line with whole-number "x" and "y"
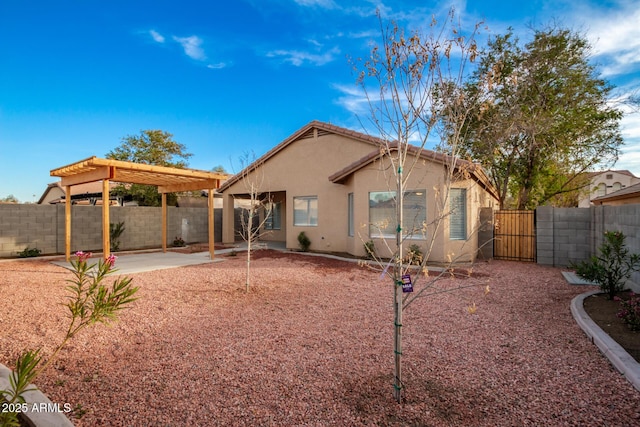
{"x": 407, "y": 286}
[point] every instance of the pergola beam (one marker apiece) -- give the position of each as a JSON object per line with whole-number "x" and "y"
{"x": 104, "y": 172}
{"x": 189, "y": 186}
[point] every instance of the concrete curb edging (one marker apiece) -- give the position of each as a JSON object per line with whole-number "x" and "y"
{"x": 49, "y": 413}
{"x": 617, "y": 355}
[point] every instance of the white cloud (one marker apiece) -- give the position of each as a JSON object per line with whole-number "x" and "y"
{"x": 298, "y": 58}
{"x": 326, "y": 4}
{"x": 192, "y": 47}
{"x": 615, "y": 36}
{"x": 156, "y": 36}
{"x": 217, "y": 66}
{"x": 354, "y": 99}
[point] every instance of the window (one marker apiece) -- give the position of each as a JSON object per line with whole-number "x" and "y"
{"x": 609, "y": 176}
{"x": 602, "y": 189}
{"x": 616, "y": 186}
{"x": 458, "y": 216}
{"x": 382, "y": 213}
{"x": 305, "y": 211}
{"x": 351, "y": 230}
{"x": 273, "y": 221}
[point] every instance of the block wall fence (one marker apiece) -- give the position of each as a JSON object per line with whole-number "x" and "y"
{"x": 564, "y": 235}
{"x": 42, "y": 227}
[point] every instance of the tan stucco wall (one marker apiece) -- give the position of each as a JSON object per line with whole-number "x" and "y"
{"x": 302, "y": 169}
{"x": 431, "y": 178}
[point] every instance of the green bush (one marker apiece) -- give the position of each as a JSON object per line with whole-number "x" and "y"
{"x": 414, "y": 256}
{"x": 179, "y": 242}
{"x": 89, "y": 302}
{"x": 304, "y": 241}
{"x": 612, "y": 266}
{"x": 115, "y": 231}
{"x": 369, "y": 250}
{"x": 29, "y": 252}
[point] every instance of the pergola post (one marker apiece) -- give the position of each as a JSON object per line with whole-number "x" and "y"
{"x": 164, "y": 222}
{"x": 106, "y": 237}
{"x": 67, "y": 223}
{"x": 212, "y": 224}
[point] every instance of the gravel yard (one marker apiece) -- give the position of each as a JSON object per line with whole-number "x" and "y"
{"x": 312, "y": 344}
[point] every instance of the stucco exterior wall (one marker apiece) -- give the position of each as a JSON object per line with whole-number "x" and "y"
{"x": 612, "y": 180}
{"x": 303, "y": 167}
{"x": 430, "y": 178}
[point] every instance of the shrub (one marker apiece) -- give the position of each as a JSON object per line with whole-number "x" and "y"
{"x": 178, "y": 242}
{"x": 369, "y": 250}
{"x": 304, "y": 241}
{"x": 414, "y": 256}
{"x": 29, "y": 252}
{"x": 612, "y": 266}
{"x": 630, "y": 311}
{"x": 89, "y": 302}
{"x": 115, "y": 231}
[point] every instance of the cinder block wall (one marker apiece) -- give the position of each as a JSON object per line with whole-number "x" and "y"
{"x": 42, "y": 227}
{"x": 574, "y": 234}
{"x": 624, "y": 218}
{"x": 563, "y": 235}
{"x": 23, "y": 226}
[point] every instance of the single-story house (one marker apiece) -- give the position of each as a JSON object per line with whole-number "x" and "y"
{"x": 626, "y": 196}
{"x": 335, "y": 185}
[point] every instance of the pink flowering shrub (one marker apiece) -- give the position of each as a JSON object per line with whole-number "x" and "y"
{"x": 630, "y": 311}
{"x": 89, "y": 302}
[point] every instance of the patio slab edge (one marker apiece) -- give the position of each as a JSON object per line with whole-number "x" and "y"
{"x": 617, "y": 355}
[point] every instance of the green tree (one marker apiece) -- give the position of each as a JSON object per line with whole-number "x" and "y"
{"x": 542, "y": 116}
{"x": 10, "y": 199}
{"x": 219, "y": 169}
{"x": 151, "y": 147}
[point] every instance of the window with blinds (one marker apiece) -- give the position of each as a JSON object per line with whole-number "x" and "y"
{"x": 305, "y": 211}
{"x": 382, "y": 213}
{"x": 458, "y": 215}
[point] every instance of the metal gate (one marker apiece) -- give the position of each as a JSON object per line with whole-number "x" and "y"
{"x": 515, "y": 235}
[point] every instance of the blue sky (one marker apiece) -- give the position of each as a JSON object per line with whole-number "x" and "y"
{"x": 226, "y": 78}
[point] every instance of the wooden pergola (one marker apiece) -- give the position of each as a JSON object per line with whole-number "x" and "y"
{"x": 168, "y": 180}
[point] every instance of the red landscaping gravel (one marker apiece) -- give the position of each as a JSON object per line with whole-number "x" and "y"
{"x": 312, "y": 344}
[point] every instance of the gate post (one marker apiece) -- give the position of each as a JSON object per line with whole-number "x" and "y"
{"x": 485, "y": 233}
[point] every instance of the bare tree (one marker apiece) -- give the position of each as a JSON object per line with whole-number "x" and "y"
{"x": 258, "y": 203}
{"x": 417, "y": 101}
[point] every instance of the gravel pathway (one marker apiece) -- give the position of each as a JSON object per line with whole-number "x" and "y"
{"x": 312, "y": 344}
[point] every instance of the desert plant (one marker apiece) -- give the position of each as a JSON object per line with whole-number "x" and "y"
{"x": 612, "y": 267}
{"x": 414, "y": 256}
{"x": 178, "y": 242}
{"x": 89, "y": 302}
{"x": 369, "y": 249}
{"x": 115, "y": 231}
{"x": 630, "y": 311}
{"x": 29, "y": 252}
{"x": 304, "y": 241}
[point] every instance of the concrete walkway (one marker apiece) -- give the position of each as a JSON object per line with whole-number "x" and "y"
{"x": 130, "y": 263}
